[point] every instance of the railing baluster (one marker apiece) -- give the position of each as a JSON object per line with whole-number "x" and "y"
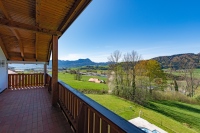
{"x": 97, "y": 124}
{"x": 26, "y": 79}
{"x": 37, "y": 76}
{"x": 90, "y": 121}
{"x": 13, "y": 81}
{"x": 42, "y": 79}
{"x": 29, "y": 80}
{"x": 17, "y": 81}
{"x": 23, "y": 80}
{"x": 19, "y": 77}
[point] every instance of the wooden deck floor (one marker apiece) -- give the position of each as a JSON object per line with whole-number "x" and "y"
{"x": 29, "y": 111}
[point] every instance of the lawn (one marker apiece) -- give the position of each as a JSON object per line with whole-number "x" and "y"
{"x": 180, "y": 73}
{"x": 83, "y": 84}
{"x": 170, "y": 116}
{"x": 187, "y": 114}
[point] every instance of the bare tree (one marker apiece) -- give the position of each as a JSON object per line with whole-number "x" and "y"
{"x": 126, "y": 66}
{"x": 192, "y": 83}
{"x": 134, "y": 58}
{"x": 114, "y": 59}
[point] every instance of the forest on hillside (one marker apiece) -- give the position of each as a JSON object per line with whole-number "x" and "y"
{"x": 179, "y": 61}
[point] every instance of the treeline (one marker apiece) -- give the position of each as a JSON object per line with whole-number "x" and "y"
{"x": 134, "y": 79}
{"x": 94, "y": 68}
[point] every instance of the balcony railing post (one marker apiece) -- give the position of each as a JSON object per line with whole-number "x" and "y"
{"x": 55, "y": 71}
{"x": 45, "y": 72}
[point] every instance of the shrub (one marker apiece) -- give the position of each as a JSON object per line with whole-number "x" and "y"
{"x": 173, "y": 96}
{"x": 93, "y": 91}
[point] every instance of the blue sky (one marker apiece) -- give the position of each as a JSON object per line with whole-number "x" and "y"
{"x": 150, "y": 27}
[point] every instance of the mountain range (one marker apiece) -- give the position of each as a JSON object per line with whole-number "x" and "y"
{"x": 61, "y": 64}
{"x": 176, "y": 61}
{"x": 77, "y": 63}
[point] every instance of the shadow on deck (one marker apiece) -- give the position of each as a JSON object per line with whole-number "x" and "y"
{"x": 29, "y": 110}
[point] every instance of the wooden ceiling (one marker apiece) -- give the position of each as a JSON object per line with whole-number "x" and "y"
{"x": 27, "y": 26}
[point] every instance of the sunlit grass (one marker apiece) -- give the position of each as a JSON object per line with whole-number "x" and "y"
{"x": 84, "y": 83}
{"x": 129, "y": 110}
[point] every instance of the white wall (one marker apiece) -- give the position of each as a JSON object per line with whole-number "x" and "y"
{"x": 3, "y": 72}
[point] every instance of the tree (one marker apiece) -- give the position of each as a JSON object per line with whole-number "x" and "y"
{"x": 192, "y": 83}
{"x": 134, "y": 57}
{"x": 175, "y": 85}
{"x": 141, "y": 70}
{"x": 77, "y": 75}
{"x": 114, "y": 59}
{"x": 151, "y": 70}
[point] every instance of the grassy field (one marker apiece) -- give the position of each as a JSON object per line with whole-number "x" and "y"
{"x": 187, "y": 114}
{"x": 83, "y": 84}
{"x": 170, "y": 116}
{"x": 180, "y": 73}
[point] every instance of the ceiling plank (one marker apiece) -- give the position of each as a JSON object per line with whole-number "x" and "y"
{"x": 4, "y": 48}
{"x": 35, "y": 29}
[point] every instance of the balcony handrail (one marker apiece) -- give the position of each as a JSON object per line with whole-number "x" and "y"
{"x": 117, "y": 123}
{"x": 25, "y": 80}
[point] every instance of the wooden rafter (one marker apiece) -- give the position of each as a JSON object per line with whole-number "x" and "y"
{"x": 3, "y": 48}
{"x": 36, "y": 46}
{"x": 35, "y": 29}
{"x": 13, "y": 30}
{"x": 16, "y": 33}
{"x": 37, "y": 23}
{"x": 49, "y": 51}
{"x": 4, "y": 11}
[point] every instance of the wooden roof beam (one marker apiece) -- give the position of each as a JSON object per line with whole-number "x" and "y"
{"x": 32, "y": 28}
{"x": 4, "y": 11}
{"x": 37, "y": 23}
{"x": 16, "y": 33}
{"x": 36, "y": 46}
{"x": 13, "y": 30}
{"x": 4, "y": 48}
{"x": 49, "y": 51}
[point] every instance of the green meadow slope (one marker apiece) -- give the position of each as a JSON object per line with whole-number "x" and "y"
{"x": 171, "y": 116}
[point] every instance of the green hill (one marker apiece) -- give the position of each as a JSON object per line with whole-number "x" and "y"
{"x": 179, "y": 61}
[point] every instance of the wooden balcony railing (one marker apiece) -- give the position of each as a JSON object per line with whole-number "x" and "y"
{"x": 87, "y": 116}
{"x": 25, "y": 80}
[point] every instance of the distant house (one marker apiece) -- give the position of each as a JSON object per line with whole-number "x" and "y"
{"x": 11, "y": 72}
{"x": 19, "y": 71}
{"x": 95, "y": 80}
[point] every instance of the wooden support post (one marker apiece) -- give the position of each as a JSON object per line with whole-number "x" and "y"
{"x": 55, "y": 71}
{"x": 45, "y": 72}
